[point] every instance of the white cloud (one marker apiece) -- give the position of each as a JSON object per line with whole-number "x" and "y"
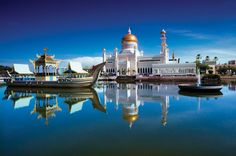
{"x": 189, "y": 33}
{"x": 86, "y": 61}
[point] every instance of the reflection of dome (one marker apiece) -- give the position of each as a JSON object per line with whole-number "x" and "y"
{"x": 130, "y": 119}
{"x": 129, "y": 37}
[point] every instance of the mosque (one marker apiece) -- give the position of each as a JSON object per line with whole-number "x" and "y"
{"x": 132, "y": 62}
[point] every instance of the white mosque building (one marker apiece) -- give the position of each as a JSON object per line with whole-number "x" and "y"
{"x": 131, "y": 61}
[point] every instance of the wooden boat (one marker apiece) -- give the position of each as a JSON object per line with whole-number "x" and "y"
{"x": 61, "y": 82}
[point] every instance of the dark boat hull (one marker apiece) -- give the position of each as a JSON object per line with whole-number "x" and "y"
{"x": 200, "y": 88}
{"x": 125, "y": 79}
{"x": 50, "y": 84}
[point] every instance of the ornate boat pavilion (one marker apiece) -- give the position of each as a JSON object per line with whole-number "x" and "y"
{"x": 45, "y": 67}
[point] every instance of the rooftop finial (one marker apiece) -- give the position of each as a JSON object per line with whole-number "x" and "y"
{"x": 163, "y": 31}
{"x": 45, "y": 50}
{"x": 129, "y": 30}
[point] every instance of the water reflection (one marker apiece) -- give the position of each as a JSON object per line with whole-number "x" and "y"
{"x": 46, "y": 103}
{"x": 232, "y": 86}
{"x": 131, "y": 96}
{"x": 127, "y": 97}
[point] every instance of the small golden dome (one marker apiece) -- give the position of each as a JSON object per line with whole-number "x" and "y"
{"x": 129, "y": 38}
{"x": 163, "y": 31}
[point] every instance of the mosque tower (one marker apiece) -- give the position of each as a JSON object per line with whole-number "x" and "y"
{"x": 104, "y": 58}
{"x": 164, "y": 48}
{"x": 116, "y": 60}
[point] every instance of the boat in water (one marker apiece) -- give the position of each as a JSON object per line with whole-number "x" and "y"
{"x": 200, "y": 87}
{"x": 64, "y": 82}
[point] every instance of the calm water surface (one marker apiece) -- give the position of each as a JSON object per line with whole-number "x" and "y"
{"x": 117, "y": 119}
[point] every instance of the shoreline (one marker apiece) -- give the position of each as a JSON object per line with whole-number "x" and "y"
{"x": 168, "y": 79}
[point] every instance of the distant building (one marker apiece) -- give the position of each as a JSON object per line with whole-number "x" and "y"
{"x": 232, "y": 62}
{"x": 211, "y": 63}
{"x": 131, "y": 61}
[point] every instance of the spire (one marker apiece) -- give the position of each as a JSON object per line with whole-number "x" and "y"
{"x": 173, "y": 55}
{"x": 163, "y": 31}
{"x": 129, "y": 31}
{"x": 45, "y": 50}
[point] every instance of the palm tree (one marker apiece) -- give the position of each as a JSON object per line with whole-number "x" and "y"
{"x": 207, "y": 58}
{"x": 198, "y": 62}
{"x": 215, "y": 58}
{"x": 198, "y": 57}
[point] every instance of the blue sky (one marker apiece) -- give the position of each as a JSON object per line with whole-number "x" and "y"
{"x": 80, "y": 29}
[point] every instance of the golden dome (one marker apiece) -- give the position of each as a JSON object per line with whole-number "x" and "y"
{"x": 130, "y": 118}
{"x": 129, "y": 37}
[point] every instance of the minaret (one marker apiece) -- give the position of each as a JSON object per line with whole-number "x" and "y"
{"x": 116, "y": 59}
{"x": 164, "y": 50}
{"x": 135, "y": 61}
{"x": 104, "y": 58}
{"x": 173, "y": 56}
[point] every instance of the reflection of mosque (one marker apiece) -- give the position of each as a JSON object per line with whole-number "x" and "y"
{"x": 131, "y": 96}
{"x": 127, "y": 97}
{"x": 232, "y": 87}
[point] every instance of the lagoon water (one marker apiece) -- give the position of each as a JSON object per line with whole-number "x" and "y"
{"x": 117, "y": 119}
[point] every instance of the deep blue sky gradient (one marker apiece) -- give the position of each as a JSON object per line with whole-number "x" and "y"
{"x": 72, "y": 29}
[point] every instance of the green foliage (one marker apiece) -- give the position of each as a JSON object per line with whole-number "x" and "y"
{"x": 211, "y": 79}
{"x": 3, "y": 69}
{"x": 211, "y": 76}
{"x": 223, "y": 70}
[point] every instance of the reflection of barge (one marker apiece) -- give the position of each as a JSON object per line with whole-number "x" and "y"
{"x": 45, "y": 75}
{"x": 70, "y": 94}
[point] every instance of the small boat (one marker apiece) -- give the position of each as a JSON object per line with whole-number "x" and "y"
{"x": 61, "y": 82}
{"x": 199, "y": 87}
